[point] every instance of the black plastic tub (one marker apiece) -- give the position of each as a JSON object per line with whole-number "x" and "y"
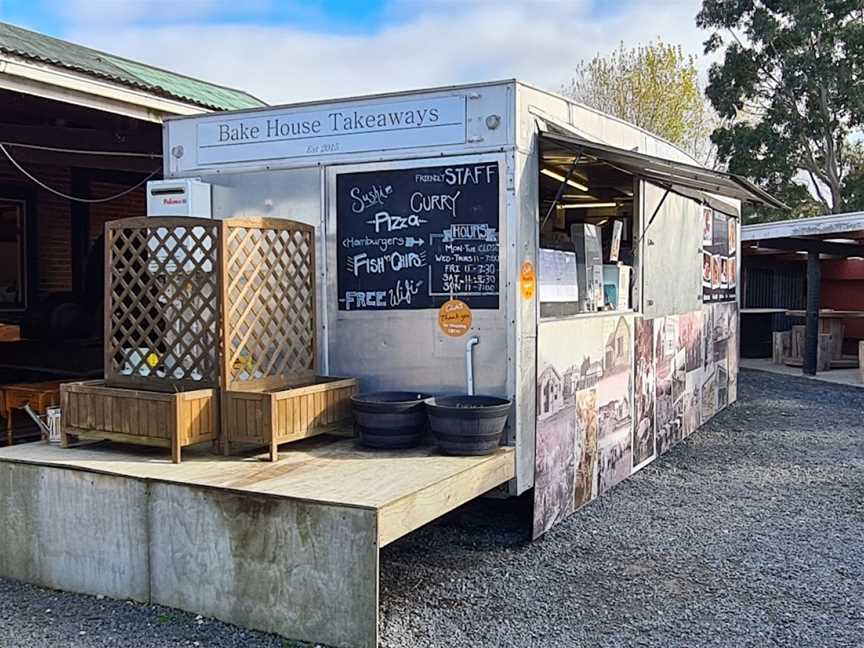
{"x": 467, "y": 425}
{"x": 390, "y": 419}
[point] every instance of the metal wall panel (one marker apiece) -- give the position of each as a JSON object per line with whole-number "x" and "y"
{"x": 294, "y": 194}
{"x": 671, "y": 253}
{"x": 782, "y": 286}
{"x": 526, "y": 312}
{"x": 405, "y": 349}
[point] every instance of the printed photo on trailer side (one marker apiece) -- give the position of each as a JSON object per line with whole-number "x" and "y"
{"x": 585, "y": 405}
{"x": 644, "y": 446}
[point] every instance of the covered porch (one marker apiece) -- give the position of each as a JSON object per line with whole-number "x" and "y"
{"x": 80, "y": 136}
{"x": 801, "y": 300}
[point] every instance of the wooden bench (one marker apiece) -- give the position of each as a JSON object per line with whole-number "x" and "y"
{"x": 781, "y": 346}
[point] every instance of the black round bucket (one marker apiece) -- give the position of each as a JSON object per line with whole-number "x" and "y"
{"x": 395, "y": 419}
{"x": 467, "y": 425}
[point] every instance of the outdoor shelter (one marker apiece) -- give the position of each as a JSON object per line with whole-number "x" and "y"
{"x": 594, "y": 267}
{"x": 810, "y": 269}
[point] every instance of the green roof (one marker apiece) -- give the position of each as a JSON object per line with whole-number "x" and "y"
{"x": 53, "y": 51}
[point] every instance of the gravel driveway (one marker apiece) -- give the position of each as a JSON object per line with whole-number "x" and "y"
{"x": 750, "y": 533}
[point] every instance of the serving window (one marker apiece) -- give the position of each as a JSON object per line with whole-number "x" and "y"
{"x": 588, "y": 246}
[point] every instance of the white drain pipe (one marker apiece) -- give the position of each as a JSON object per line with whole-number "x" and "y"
{"x": 469, "y": 363}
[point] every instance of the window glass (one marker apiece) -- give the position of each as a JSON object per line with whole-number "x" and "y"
{"x": 12, "y": 262}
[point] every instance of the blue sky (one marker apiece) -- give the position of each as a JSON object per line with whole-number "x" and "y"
{"x": 49, "y": 16}
{"x": 286, "y": 50}
{"x": 332, "y": 15}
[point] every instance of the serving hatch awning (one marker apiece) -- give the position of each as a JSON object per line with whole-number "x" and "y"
{"x": 679, "y": 177}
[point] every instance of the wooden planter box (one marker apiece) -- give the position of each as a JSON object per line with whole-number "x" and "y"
{"x": 270, "y": 417}
{"x": 90, "y": 410}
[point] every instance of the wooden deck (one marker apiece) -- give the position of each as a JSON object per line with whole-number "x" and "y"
{"x": 408, "y": 488}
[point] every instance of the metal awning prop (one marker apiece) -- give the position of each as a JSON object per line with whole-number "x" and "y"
{"x": 688, "y": 180}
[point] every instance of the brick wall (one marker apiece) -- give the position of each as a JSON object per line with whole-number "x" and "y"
{"x": 54, "y": 218}
{"x": 130, "y": 205}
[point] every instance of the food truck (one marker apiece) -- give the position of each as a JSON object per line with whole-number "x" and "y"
{"x": 492, "y": 239}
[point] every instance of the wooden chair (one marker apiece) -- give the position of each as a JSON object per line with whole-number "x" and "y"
{"x": 781, "y": 346}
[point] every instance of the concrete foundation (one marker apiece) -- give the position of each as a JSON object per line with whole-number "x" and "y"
{"x": 80, "y": 532}
{"x": 297, "y": 569}
{"x": 288, "y": 547}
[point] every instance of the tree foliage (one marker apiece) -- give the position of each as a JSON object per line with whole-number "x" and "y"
{"x": 790, "y": 93}
{"x": 655, "y": 86}
{"x": 853, "y": 182}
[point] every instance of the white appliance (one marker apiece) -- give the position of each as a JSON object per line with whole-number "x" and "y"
{"x": 182, "y": 197}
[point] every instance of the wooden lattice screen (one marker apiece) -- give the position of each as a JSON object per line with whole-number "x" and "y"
{"x": 269, "y": 301}
{"x": 161, "y": 300}
{"x": 193, "y": 303}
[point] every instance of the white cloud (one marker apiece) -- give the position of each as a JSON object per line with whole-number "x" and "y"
{"x": 442, "y": 43}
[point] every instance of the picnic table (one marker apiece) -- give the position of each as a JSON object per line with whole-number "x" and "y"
{"x": 831, "y": 323}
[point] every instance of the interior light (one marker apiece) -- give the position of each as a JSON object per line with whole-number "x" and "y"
{"x": 592, "y": 205}
{"x": 560, "y": 178}
{"x": 840, "y": 240}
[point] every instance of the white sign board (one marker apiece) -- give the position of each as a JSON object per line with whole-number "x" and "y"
{"x": 558, "y": 277}
{"x": 269, "y": 135}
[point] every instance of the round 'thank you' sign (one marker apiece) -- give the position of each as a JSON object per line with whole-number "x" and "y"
{"x": 454, "y": 318}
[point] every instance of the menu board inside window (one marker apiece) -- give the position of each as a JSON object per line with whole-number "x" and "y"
{"x": 413, "y": 238}
{"x": 719, "y": 256}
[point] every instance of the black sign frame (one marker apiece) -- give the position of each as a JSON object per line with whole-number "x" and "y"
{"x": 412, "y": 237}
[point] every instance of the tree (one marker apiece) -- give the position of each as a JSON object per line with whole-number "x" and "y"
{"x": 655, "y": 86}
{"x": 790, "y": 92}
{"x": 853, "y": 183}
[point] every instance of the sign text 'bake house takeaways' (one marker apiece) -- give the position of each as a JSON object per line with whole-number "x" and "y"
{"x": 275, "y": 134}
{"x": 414, "y": 238}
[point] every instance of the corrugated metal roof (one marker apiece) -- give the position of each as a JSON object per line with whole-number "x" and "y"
{"x": 836, "y": 224}
{"x": 53, "y": 51}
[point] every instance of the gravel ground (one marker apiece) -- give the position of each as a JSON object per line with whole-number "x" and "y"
{"x": 750, "y": 533}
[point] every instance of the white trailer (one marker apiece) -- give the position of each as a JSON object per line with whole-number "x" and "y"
{"x": 288, "y": 162}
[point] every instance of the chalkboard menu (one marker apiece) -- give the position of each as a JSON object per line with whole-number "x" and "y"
{"x": 719, "y": 256}
{"x": 413, "y": 238}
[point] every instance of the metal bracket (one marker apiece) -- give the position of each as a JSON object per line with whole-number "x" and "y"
{"x": 656, "y": 210}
